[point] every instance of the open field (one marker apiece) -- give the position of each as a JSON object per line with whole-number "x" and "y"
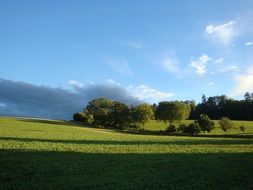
{"x": 46, "y": 154}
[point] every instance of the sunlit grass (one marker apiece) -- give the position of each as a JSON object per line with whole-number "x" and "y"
{"x": 48, "y": 154}
{"x": 161, "y": 126}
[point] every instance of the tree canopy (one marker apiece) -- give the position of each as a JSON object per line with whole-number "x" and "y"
{"x": 172, "y": 111}
{"x": 217, "y": 107}
{"x": 205, "y": 123}
{"x": 118, "y": 115}
{"x": 143, "y": 114}
{"x": 100, "y": 109}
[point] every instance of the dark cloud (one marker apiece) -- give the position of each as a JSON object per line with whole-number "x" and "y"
{"x": 23, "y": 99}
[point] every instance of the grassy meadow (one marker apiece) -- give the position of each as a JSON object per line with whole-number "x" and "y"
{"x": 49, "y": 154}
{"x": 161, "y": 126}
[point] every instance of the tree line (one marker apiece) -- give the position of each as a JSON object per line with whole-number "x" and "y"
{"x": 217, "y": 107}
{"x": 113, "y": 114}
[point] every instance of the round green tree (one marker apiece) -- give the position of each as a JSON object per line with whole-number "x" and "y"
{"x": 100, "y": 109}
{"x": 143, "y": 114}
{"x": 205, "y": 123}
{"x": 172, "y": 111}
{"x": 225, "y": 124}
{"x": 119, "y": 114}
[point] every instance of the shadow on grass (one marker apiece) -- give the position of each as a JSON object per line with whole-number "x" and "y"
{"x": 137, "y": 142}
{"x": 68, "y": 170}
{"x": 239, "y": 135}
{"x": 52, "y": 122}
{"x": 164, "y": 133}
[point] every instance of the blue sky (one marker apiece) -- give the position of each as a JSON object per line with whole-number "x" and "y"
{"x": 154, "y": 50}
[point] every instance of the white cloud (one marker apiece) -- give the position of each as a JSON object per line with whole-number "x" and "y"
{"x": 200, "y": 64}
{"x": 210, "y": 83}
{"x": 230, "y": 68}
{"x": 145, "y": 93}
{"x": 131, "y": 44}
{"x": 135, "y": 45}
{"x": 141, "y": 92}
{"x": 204, "y": 58}
{"x": 218, "y": 61}
{"x": 120, "y": 66}
{"x": 223, "y": 33}
{"x": 112, "y": 82}
{"x": 76, "y": 83}
{"x": 248, "y": 43}
{"x": 244, "y": 82}
{"x": 170, "y": 64}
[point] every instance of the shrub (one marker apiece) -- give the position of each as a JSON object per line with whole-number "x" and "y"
{"x": 182, "y": 127}
{"x": 83, "y": 117}
{"x": 88, "y": 118}
{"x": 242, "y": 129}
{"x": 192, "y": 129}
{"x": 225, "y": 124}
{"x": 171, "y": 128}
{"x": 205, "y": 123}
{"x": 79, "y": 116}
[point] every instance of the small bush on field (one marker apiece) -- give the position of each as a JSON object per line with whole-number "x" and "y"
{"x": 182, "y": 127}
{"x": 242, "y": 129}
{"x": 225, "y": 124}
{"x": 205, "y": 123}
{"x": 171, "y": 128}
{"x": 192, "y": 129}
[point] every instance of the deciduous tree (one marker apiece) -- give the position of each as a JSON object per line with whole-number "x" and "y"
{"x": 172, "y": 111}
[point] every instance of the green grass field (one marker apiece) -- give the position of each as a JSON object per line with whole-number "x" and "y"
{"x": 160, "y": 126}
{"x": 45, "y": 154}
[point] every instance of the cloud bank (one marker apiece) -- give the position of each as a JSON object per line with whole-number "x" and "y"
{"x": 144, "y": 93}
{"x": 23, "y": 99}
